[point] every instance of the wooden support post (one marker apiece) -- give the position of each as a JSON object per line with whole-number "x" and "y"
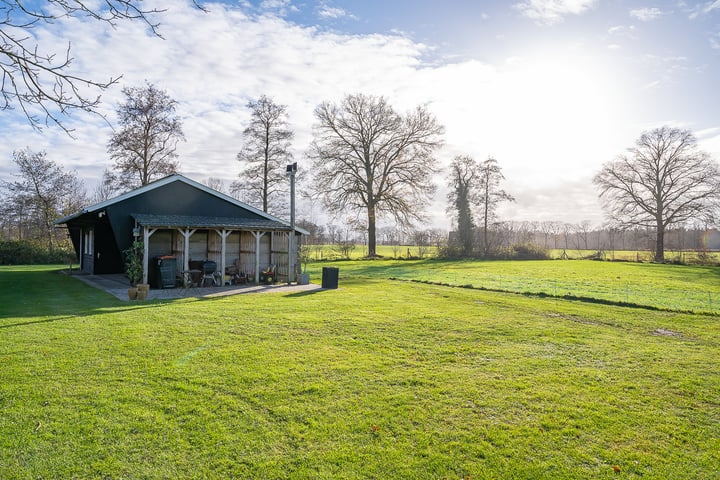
{"x": 186, "y": 233}
{"x": 291, "y": 276}
{"x": 257, "y": 236}
{"x": 223, "y": 236}
{"x": 147, "y": 233}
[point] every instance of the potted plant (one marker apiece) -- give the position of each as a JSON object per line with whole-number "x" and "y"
{"x": 304, "y": 277}
{"x": 134, "y": 267}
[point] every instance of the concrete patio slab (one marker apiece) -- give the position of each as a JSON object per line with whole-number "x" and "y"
{"x": 117, "y": 285}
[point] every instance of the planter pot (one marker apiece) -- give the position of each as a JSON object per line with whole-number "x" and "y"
{"x": 304, "y": 279}
{"x": 142, "y": 294}
{"x": 132, "y": 293}
{"x": 143, "y": 287}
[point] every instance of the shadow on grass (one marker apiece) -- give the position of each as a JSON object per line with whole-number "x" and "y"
{"x": 307, "y": 292}
{"x": 88, "y": 313}
{"x": 43, "y": 292}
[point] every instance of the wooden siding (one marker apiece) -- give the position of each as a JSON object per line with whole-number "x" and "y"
{"x": 279, "y": 254}
{"x": 160, "y": 244}
{"x": 247, "y": 253}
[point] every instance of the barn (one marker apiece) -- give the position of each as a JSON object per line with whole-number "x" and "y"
{"x": 179, "y": 217}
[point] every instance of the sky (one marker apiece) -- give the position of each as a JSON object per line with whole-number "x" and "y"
{"x": 551, "y": 89}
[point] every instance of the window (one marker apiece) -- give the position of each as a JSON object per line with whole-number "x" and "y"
{"x": 88, "y": 242}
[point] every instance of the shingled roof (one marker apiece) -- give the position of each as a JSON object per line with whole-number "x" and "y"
{"x": 189, "y": 221}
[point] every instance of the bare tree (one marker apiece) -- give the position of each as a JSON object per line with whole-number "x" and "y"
{"x": 568, "y": 229}
{"x": 264, "y": 154}
{"x": 144, "y": 147}
{"x": 584, "y": 228}
{"x": 42, "y": 193}
{"x": 369, "y": 158}
{"x": 463, "y": 183}
{"x": 663, "y": 180}
{"x": 106, "y": 188}
{"x": 217, "y": 184}
{"x": 35, "y": 78}
{"x": 490, "y": 196}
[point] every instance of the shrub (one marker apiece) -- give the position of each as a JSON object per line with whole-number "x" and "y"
{"x": 23, "y": 252}
{"x": 450, "y": 251}
{"x": 523, "y": 251}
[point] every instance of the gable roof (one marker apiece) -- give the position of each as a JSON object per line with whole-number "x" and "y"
{"x": 271, "y": 220}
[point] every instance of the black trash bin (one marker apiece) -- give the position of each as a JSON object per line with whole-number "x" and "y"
{"x": 163, "y": 272}
{"x": 330, "y": 277}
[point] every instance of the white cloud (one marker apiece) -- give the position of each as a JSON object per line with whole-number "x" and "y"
{"x": 326, "y": 11}
{"x": 646, "y": 14}
{"x": 547, "y": 119}
{"x": 704, "y": 8}
{"x": 280, "y": 7}
{"x": 714, "y": 41}
{"x": 549, "y": 12}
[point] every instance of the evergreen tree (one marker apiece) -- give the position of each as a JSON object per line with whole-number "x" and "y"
{"x": 462, "y": 182}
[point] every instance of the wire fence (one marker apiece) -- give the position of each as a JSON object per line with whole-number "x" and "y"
{"x": 665, "y": 298}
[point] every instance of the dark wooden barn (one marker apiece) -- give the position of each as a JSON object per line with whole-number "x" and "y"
{"x": 179, "y": 217}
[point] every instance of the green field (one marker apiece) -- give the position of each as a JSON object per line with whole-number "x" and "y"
{"x": 378, "y": 379}
{"x": 674, "y": 287}
{"x": 329, "y": 252}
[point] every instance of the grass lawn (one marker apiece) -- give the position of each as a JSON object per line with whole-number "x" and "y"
{"x": 379, "y": 379}
{"x": 329, "y": 252}
{"x": 675, "y": 287}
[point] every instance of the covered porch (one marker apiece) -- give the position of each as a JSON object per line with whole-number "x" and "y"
{"x": 241, "y": 245}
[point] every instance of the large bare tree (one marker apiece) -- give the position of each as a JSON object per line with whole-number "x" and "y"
{"x": 490, "y": 195}
{"x": 39, "y": 80}
{"x": 663, "y": 180}
{"x": 144, "y": 146}
{"x": 368, "y": 158}
{"x": 264, "y": 155}
{"x": 42, "y": 193}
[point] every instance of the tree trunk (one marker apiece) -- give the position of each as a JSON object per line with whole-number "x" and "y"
{"x": 660, "y": 243}
{"x": 371, "y": 231}
{"x": 485, "y": 228}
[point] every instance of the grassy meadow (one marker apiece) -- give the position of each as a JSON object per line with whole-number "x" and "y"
{"x": 674, "y": 287}
{"x": 378, "y": 379}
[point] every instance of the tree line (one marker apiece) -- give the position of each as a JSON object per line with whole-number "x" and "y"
{"x": 368, "y": 161}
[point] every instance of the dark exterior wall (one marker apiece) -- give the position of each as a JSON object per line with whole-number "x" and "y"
{"x": 88, "y": 263}
{"x": 113, "y": 230}
{"x": 107, "y": 255}
{"x": 176, "y": 198}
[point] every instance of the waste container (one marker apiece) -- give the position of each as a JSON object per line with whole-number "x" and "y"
{"x": 163, "y": 272}
{"x": 330, "y": 277}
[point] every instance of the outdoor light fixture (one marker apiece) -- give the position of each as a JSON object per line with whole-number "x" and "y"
{"x": 291, "y": 169}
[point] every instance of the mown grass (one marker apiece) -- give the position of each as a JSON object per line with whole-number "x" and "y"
{"x": 675, "y": 287}
{"x": 380, "y": 379}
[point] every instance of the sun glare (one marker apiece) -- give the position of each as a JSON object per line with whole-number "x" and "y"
{"x": 561, "y": 104}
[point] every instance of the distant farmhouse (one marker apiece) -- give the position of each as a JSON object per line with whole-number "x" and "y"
{"x": 176, "y": 216}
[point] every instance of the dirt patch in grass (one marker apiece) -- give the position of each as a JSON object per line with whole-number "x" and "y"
{"x": 663, "y": 332}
